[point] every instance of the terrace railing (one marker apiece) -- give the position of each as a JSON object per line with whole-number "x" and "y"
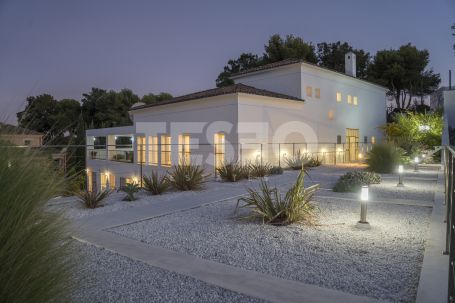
{"x": 449, "y": 161}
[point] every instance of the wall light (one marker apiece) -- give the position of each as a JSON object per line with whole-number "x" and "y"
{"x": 360, "y": 155}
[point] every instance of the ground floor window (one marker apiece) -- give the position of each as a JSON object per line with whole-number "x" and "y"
{"x": 184, "y": 149}
{"x": 153, "y": 150}
{"x": 219, "y": 149}
{"x": 141, "y": 150}
{"x": 107, "y": 181}
{"x": 352, "y": 141}
{"x": 166, "y": 150}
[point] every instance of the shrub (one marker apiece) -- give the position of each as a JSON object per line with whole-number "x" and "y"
{"x": 92, "y": 199}
{"x": 74, "y": 182}
{"x": 259, "y": 170}
{"x": 269, "y": 205}
{"x": 233, "y": 172}
{"x": 276, "y": 170}
{"x": 300, "y": 160}
{"x": 155, "y": 184}
{"x": 383, "y": 158}
{"x": 187, "y": 177}
{"x": 130, "y": 189}
{"x": 312, "y": 162}
{"x": 35, "y": 254}
{"x": 353, "y": 181}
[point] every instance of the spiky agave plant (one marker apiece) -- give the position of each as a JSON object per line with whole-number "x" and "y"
{"x": 155, "y": 184}
{"x": 92, "y": 199}
{"x": 269, "y": 205}
{"x": 259, "y": 170}
{"x": 297, "y": 161}
{"x": 187, "y": 177}
{"x": 35, "y": 256}
{"x": 233, "y": 172}
{"x": 130, "y": 189}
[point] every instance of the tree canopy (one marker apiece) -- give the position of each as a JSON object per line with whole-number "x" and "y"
{"x": 404, "y": 72}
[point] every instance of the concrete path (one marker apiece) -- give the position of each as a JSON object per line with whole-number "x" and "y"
{"x": 93, "y": 230}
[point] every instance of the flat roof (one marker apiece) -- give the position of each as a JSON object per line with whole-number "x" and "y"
{"x": 225, "y": 90}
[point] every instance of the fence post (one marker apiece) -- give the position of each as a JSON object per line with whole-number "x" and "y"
{"x": 279, "y": 154}
{"x": 293, "y": 149}
{"x": 449, "y": 189}
{"x": 261, "y": 154}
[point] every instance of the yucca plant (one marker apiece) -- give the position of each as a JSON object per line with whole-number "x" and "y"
{"x": 156, "y": 184}
{"x": 276, "y": 170}
{"x": 259, "y": 170}
{"x": 130, "y": 189}
{"x": 297, "y": 161}
{"x": 92, "y": 199}
{"x": 187, "y": 177}
{"x": 37, "y": 262}
{"x": 233, "y": 172}
{"x": 269, "y": 205}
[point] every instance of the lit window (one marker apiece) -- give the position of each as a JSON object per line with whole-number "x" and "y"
{"x": 339, "y": 97}
{"x": 309, "y": 91}
{"x": 349, "y": 99}
{"x": 89, "y": 180}
{"x": 141, "y": 150}
{"x": 373, "y": 140}
{"x": 317, "y": 93}
{"x": 355, "y": 100}
{"x": 166, "y": 150}
{"x": 184, "y": 149}
{"x": 219, "y": 149}
{"x": 330, "y": 115}
{"x": 107, "y": 181}
{"x": 153, "y": 150}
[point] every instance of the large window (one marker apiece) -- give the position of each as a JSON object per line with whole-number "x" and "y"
{"x": 153, "y": 150}
{"x": 349, "y": 99}
{"x": 309, "y": 91}
{"x": 355, "y": 100}
{"x": 141, "y": 150}
{"x": 317, "y": 93}
{"x": 219, "y": 149}
{"x": 166, "y": 150}
{"x": 184, "y": 149}
{"x": 107, "y": 181}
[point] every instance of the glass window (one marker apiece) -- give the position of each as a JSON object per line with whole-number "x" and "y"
{"x": 27, "y": 142}
{"x": 141, "y": 150}
{"x": 355, "y": 100}
{"x": 184, "y": 149}
{"x": 309, "y": 91}
{"x": 373, "y": 140}
{"x": 219, "y": 149}
{"x": 339, "y": 97}
{"x": 317, "y": 93}
{"x": 349, "y": 99}
{"x": 107, "y": 181}
{"x": 166, "y": 150}
{"x": 153, "y": 150}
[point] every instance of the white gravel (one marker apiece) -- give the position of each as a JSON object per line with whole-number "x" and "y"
{"x": 382, "y": 263}
{"x": 109, "y": 277}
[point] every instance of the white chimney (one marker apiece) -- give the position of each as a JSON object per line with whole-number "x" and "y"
{"x": 350, "y": 64}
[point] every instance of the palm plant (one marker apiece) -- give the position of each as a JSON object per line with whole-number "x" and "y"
{"x": 187, "y": 177}
{"x": 155, "y": 184}
{"x": 92, "y": 199}
{"x": 35, "y": 252}
{"x": 130, "y": 189}
{"x": 269, "y": 205}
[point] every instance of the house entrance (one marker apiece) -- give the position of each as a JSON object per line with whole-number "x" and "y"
{"x": 352, "y": 142}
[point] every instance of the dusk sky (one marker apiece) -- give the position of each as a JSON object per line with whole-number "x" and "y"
{"x": 66, "y": 47}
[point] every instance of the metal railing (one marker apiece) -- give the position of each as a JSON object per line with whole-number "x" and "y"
{"x": 449, "y": 162}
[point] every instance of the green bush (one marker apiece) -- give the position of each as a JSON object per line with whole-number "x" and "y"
{"x": 259, "y": 170}
{"x": 187, "y": 177}
{"x": 269, "y": 205}
{"x": 354, "y": 180}
{"x": 233, "y": 172}
{"x": 92, "y": 199}
{"x": 300, "y": 160}
{"x": 383, "y": 158}
{"x": 155, "y": 184}
{"x": 276, "y": 170}
{"x": 313, "y": 162}
{"x": 35, "y": 255}
{"x": 130, "y": 189}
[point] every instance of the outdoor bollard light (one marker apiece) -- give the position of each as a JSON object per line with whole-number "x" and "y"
{"x": 363, "y": 223}
{"x": 416, "y": 164}
{"x": 400, "y": 176}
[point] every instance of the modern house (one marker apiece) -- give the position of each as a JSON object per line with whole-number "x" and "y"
{"x": 269, "y": 114}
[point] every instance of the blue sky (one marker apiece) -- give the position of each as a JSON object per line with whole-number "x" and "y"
{"x": 66, "y": 47}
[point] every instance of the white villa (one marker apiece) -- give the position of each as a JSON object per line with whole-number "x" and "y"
{"x": 270, "y": 113}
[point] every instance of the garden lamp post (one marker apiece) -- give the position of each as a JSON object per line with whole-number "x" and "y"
{"x": 363, "y": 223}
{"x": 416, "y": 164}
{"x": 400, "y": 176}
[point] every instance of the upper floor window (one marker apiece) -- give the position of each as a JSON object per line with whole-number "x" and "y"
{"x": 339, "y": 97}
{"x": 373, "y": 140}
{"x": 349, "y": 99}
{"x": 355, "y": 100}
{"x": 309, "y": 91}
{"x": 317, "y": 93}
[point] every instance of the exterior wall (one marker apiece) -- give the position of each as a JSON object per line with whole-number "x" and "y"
{"x": 366, "y": 116}
{"x": 20, "y": 139}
